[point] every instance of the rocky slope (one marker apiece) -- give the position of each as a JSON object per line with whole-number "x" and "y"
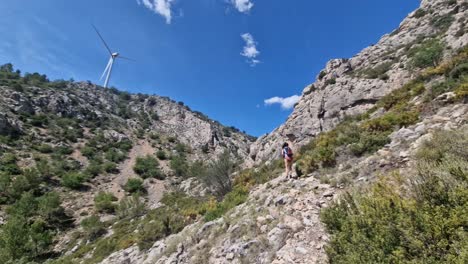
{"x": 365, "y": 117}
{"x": 80, "y": 140}
{"x": 348, "y": 87}
{"x": 280, "y": 222}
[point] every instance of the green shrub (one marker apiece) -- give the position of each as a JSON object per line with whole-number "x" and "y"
{"x": 391, "y": 120}
{"x": 93, "y": 227}
{"x": 104, "y": 202}
{"x": 63, "y": 150}
{"x": 181, "y": 148}
{"x": 39, "y": 120}
{"x": 369, "y": 143}
{"x": 50, "y": 209}
{"x": 443, "y": 22}
{"x": 420, "y": 222}
{"x": 134, "y": 185}
{"x": 161, "y": 154}
{"x": 330, "y": 81}
{"x": 115, "y": 155}
{"x": 8, "y": 164}
{"x": 179, "y": 165}
{"x": 378, "y": 71}
{"x": 73, "y": 180}
{"x": 218, "y": 174}
{"x": 131, "y": 207}
{"x": 429, "y": 53}
{"x": 440, "y": 88}
{"x": 172, "y": 139}
{"x": 420, "y": 13}
{"x": 104, "y": 248}
{"x": 321, "y": 75}
{"x": 45, "y": 148}
{"x": 159, "y": 223}
{"x": 148, "y": 167}
{"x": 234, "y": 198}
{"x": 110, "y": 167}
{"x": 94, "y": 169}
{"x": 459, "y": 71}
{"x": 88, "y": 152}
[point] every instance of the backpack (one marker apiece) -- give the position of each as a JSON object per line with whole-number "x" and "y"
{"x": 287, "y": 153}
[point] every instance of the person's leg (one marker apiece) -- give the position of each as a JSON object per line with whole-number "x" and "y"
{"x": 290, "y": 168}
{"x": 286, "y": 166}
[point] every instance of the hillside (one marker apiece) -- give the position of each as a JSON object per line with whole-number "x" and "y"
{"x": 352, "y": 86}
{"x": 93, "y": 175}
{"x": 77, "y": 142}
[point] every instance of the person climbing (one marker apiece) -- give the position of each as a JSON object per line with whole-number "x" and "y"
{"x": 287, "y": 154}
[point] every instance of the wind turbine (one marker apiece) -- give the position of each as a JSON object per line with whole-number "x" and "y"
{"x": 113, "y": 56}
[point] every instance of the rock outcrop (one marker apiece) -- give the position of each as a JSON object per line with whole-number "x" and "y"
{"x": 348, "y": 87}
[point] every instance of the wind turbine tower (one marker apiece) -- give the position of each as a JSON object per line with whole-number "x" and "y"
{"x": 113, "y": 56}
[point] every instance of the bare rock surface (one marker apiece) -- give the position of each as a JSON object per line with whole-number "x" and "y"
{"x": 263, "y": 230}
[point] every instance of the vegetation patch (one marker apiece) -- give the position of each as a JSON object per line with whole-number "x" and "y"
{"x": 418, "y": 218}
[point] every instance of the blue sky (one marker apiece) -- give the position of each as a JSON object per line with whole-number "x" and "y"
{"x": 221, "y": 57}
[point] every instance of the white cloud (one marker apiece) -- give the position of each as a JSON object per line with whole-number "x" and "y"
{"x": 250, "y": 49}
{"x": 286, "y": 103}
{"x": 242, "y": 6}
{"x": 161, "y": 7}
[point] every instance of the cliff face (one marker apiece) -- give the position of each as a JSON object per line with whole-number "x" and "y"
{"x": 348, "y": 87}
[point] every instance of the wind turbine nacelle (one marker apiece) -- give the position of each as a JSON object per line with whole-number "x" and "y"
{"x": 115, "y": 54}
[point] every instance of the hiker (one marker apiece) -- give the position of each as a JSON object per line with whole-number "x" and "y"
{"x": 287, "y": 155}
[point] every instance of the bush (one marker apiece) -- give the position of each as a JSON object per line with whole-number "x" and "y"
{"x": 131, "y": 207}
{"x": 442, "y": 23}
{"x": 94, "y": 169}
{"x": 88, "y": 152}
{"x": 234, "y": 198}
{"x": 93, "y": 227}
{"x": 134, "y": 185}
{"x": 218, "y": 175}
{"x": 391, "y": 120}
{"x": 330, "y": 81}
{"x": 73, "y": 180}
{"x": 115, "y": 155}
{"x": 148, "y": 167}
{"x": 179, "y": 165}
{"x": 8, "y": 164}
{"x": 181, "y": 148}
{"x": 104, "y": 202}
{"x": 45, "y": 148}
{"x": 420, "y": 13}
{"x": 110, "y": 167}
{"x": 378, "y": 71}
{"x": 161, "y": 154}
{"x": 428, "y": 54}
{"x": 64, "y": 150}
{"x": 420, "y": 222}
{"x": 321, "y": 75}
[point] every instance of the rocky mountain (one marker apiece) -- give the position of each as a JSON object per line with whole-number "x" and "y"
{"x": 352, "y": 86}
{"x": 93, "y": 175}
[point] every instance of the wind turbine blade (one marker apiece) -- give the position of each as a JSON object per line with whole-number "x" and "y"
{"x": 125, "y": 58}
{"x": 106, "y": 69}
{"x": 103, "y": 41}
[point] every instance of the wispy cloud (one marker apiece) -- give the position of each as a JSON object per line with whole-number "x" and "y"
{"x": 161, "y": 7}
{"x": 286, "y": 103}
{"x": 242, "y": 6}
{"x": 250, "y": 50}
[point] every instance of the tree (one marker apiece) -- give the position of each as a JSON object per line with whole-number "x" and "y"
{"x": 218, "y": 174}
